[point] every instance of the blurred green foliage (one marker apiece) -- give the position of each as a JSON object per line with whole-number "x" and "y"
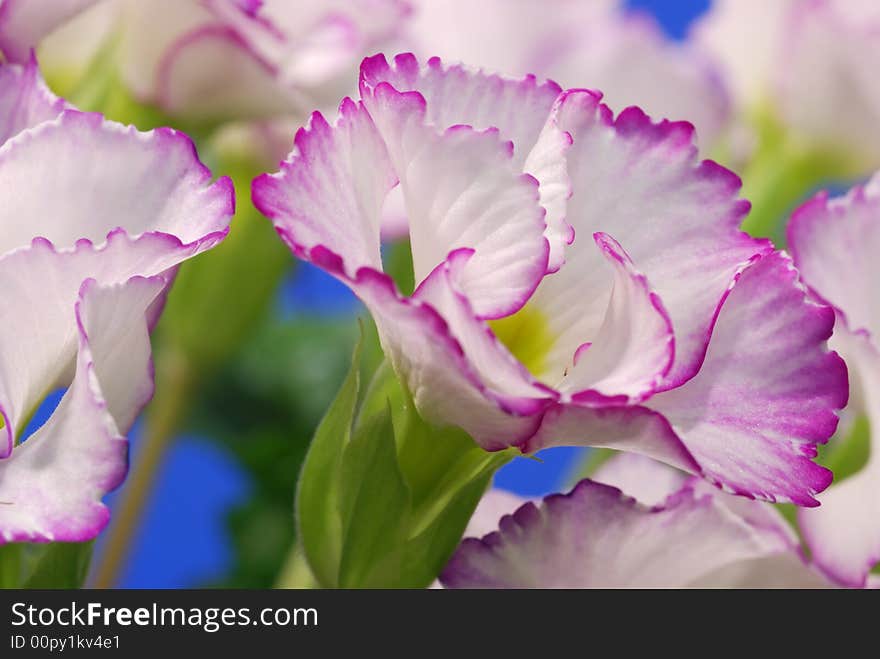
{"x": 263, "y": 407}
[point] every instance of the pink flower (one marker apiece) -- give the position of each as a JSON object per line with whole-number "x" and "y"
{"x": 580, "y": 277}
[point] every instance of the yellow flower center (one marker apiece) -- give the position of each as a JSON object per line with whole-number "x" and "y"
{"x": 527, "y": 335}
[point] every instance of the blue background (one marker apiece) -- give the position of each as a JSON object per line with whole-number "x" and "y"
{"x": 183, "y": 540}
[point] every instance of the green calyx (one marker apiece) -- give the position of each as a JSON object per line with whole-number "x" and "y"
{"x": 384, "y": 497}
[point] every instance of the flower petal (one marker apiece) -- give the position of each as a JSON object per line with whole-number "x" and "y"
{"x": 640, "y": 182}
{"x": 633, "y": 350}
{"x": 455, "y": 95}
{"x": 37, "y": 332}
{"x": 835, "y": 243}
{"x": 597, "y": 537}
{"x": 651, "y": 483}
{"x": 189, "y": 83}
{"x": 648, "y": 481}
{"x": 152, "y": 182}
{"x": 443, "y": 382}
{"x": 142, "y": 182}
{"x": 23, "y": 23}
{"x": 461, "y": 189}
{"x": 844, "y": 532}
{"x": 783, "y": 570}
{"x": 765, "y": 394}
{"x": 25, "y": 101}
{"x": 147, "y": 32}
{"x": 624, "y": 428}
{"x": 497, "y": 368}
{"x": 51, "y": 488}
{"x": 330, "y": 190}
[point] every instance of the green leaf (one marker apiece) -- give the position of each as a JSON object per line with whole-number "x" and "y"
{"x": 375, "y": 508}
{"x": 318, "y": 497}
{"x": 433, "y": 547}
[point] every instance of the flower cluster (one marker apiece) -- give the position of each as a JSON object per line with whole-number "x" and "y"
{"x": 580, "y": 273}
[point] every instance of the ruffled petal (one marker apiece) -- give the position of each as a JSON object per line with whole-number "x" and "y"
{"x": 767, "y": 390}
{"x": 834, "y": 243}
{"x": 330, "y": 191}
{"x": 25, "y": 101}
{"x": 678, "y": 219}
{"x": 461, "y": 189}
{"x": 518, "y": 109}
{"x": 633, "y": 349}
{"x": 40, "y": 285}
{"x": 844, "y": 532}
{"x": 140, "y": 182}
{"x": 497, "y": 368}
{"x": 151, "y": 183}
{"x": 597, "y": 537}
{"x": 456, "y": 95}
{"x": 23, "y": 23}
{"x": 51, "y": 487}
{"x": 445, "y": 385}
{"x": 494, "y": 505}
{"x": 598, "y": 44}
{"x": 652, "y": 482}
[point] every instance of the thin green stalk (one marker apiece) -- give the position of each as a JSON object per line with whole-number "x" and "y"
{"x": 175, "y": 381}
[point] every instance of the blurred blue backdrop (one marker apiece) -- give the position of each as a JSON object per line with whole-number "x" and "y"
{"x": 183, "y": 541}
